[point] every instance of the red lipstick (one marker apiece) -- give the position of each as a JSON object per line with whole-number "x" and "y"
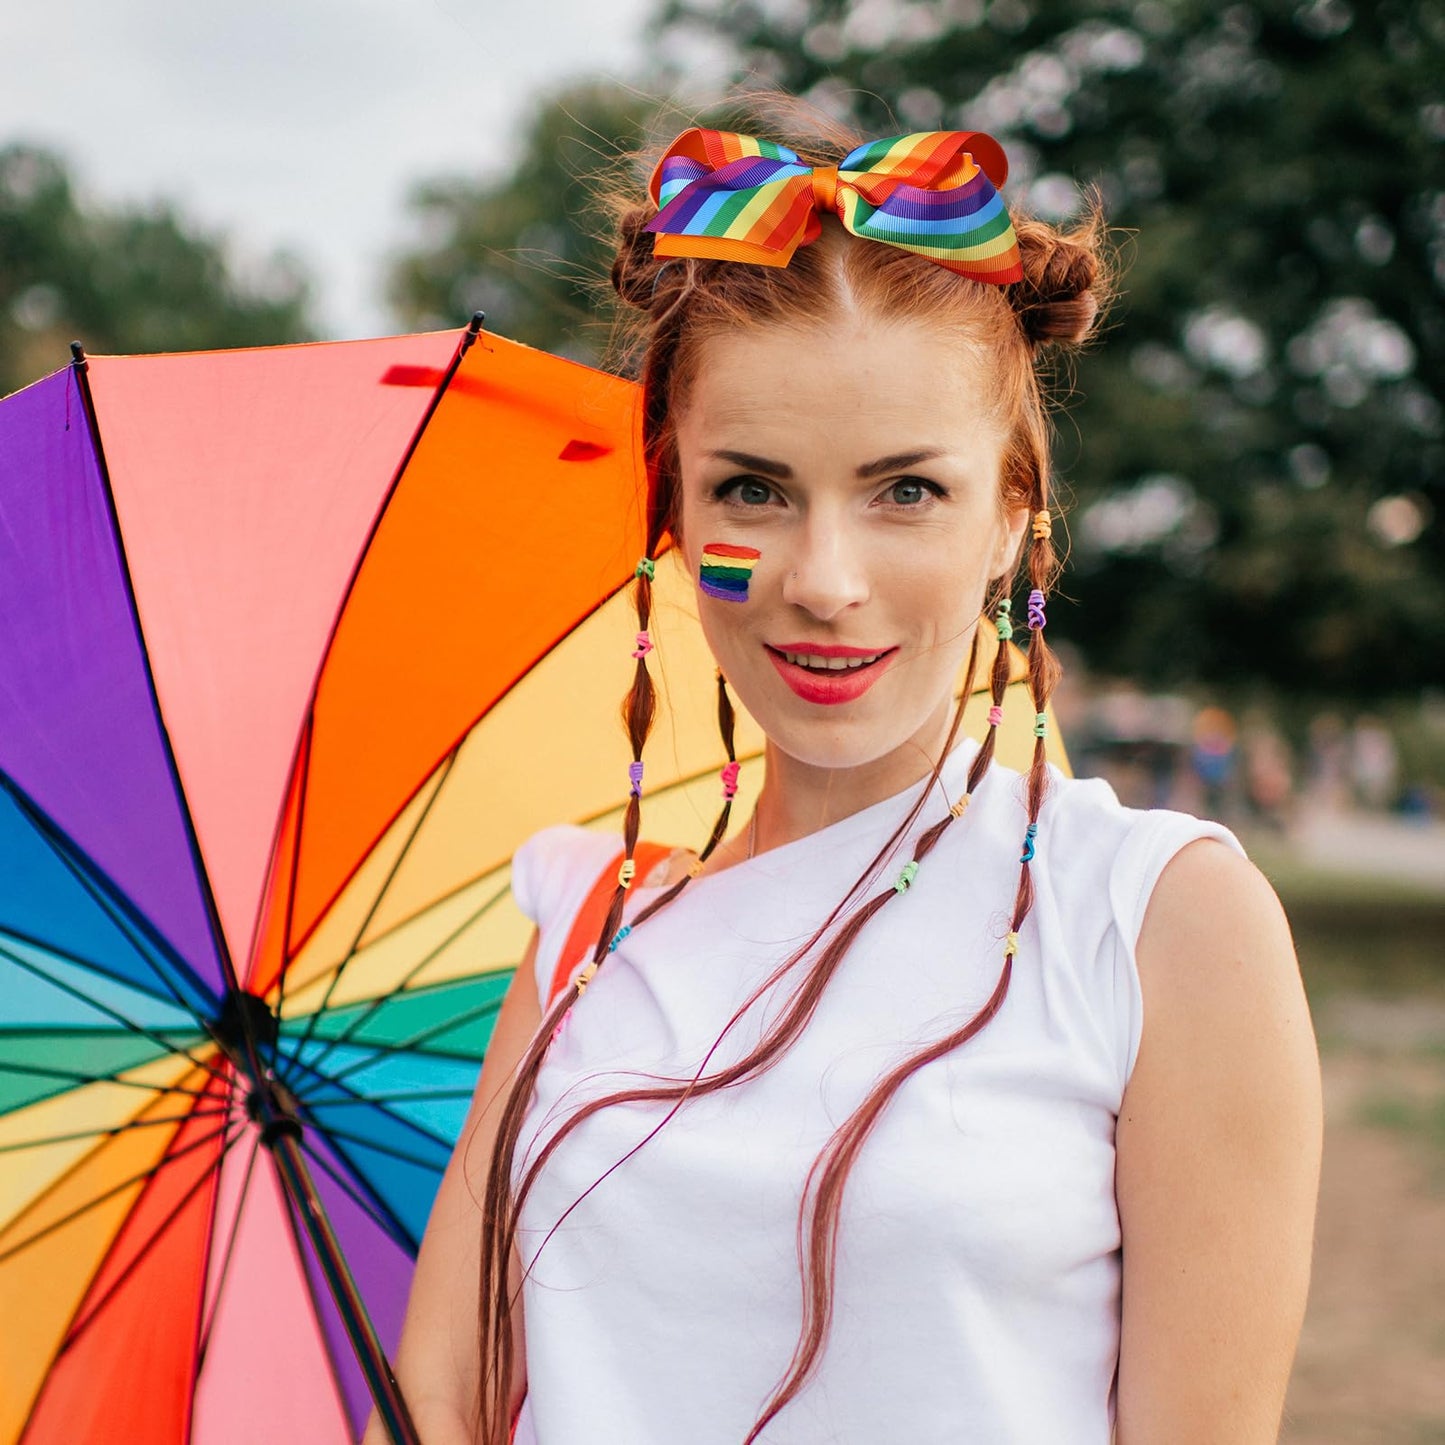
{"x": 843, "y": 685}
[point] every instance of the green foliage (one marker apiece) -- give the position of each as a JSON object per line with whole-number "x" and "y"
{"x": 121, "y": 280}
{"x": 1258, "y": 466}
{"x": 530, "y": 248}
{"x": 1256, "y": 453}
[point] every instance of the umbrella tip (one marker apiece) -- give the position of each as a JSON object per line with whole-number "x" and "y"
{"x": 479, "y": 320}
{"x": 77, "y": 353}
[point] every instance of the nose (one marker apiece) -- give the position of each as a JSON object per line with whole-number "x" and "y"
{"x": 826, "y": 567}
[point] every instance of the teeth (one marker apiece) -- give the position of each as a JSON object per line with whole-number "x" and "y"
{"x": 831, "y": 664}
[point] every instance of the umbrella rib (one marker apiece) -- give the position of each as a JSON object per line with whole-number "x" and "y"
{"x": 99, "y": 1199}
{"x": 483, "y": 908}
{"x": 352, "y": 1094}
{"x": 374, "y": 1004}
{"x": 166, "y": 1045}
{"x": 65, "y": 955}
{"x": 416, "y": 1040}
{"x": 227, "y": 1254}
{"x": 72, "y": 1076}
{"x": 304, "y": 760}
{"x": 388, "y": 1149}
{"x": 414, "y": 1095}
{"x": 380, "y": 1216}
{"x": 119, "y": 910}
{"x": 79, "y": 1325}
{"x": 336, "y": 976}
{"x": 111, "y": 1132}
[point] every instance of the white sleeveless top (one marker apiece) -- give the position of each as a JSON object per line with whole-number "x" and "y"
{"x": 977, "y": 1289}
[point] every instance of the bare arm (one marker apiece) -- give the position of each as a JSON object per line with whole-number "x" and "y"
{"x": 1218, "y": 1161}
{"x": 437, "y": 1362}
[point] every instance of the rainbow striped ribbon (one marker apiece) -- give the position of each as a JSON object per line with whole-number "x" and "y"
{"x": 733, "y": 197}
{"x": 726, "y": 570}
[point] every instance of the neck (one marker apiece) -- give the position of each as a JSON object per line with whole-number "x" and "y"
{"x": 799, "y": 798}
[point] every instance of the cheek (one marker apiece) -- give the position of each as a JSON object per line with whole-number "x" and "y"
{"x": 725, "y": 570}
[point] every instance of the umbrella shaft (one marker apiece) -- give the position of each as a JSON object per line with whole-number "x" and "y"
{"x": 286, "y": 1150}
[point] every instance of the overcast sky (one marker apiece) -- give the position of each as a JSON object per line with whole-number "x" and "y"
{"x": 295, "y": 123}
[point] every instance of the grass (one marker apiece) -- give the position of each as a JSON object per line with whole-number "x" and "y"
{"x": 1359, "y": 933}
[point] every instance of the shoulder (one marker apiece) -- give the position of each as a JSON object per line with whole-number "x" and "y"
{"x": 1215, "y": 942}
{"x": 555, "y": 866}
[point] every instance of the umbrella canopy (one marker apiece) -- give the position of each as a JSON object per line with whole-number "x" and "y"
{"x": 297, "y": 645}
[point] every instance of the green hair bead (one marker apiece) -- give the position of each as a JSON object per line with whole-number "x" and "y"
{"x": 906, "y": 877}
{"x": 645, "y": 568}
{"x": 1005, "y": 627}
{"x": 1041, "y": 724}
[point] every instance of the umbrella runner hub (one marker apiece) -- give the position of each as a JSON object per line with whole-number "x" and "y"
{"x": 245, "y": 1016}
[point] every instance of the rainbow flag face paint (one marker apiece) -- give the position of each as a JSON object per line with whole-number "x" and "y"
{"x": 725, "y": 570}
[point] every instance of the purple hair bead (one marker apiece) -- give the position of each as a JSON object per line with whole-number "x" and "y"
{"x": 634, "y": 771}
{"x": 1036, "y": 609}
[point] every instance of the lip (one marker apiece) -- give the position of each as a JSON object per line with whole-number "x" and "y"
{"x": 825, "y": 688}
{"x": 819, "y": 649}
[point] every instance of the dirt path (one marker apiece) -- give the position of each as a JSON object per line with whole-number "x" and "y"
{"x": 1371, "y": 1363}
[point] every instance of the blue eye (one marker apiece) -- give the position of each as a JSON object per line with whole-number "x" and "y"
{"x": 911, "y": 491}
{"x": 749, "y": 491}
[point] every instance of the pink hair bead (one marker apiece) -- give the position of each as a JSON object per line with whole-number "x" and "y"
{"x": 995, "y": 716}
{"x": 644, "y": 645}
{"x": 730, "y": 780}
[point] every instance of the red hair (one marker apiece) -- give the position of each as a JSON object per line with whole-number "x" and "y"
{"x": 1022, "y": 329}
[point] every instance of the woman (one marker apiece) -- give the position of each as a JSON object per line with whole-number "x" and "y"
{"x": 940, "y": 1102}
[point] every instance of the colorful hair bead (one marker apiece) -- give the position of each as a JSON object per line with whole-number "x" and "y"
{"x": 1011, "y": 945}
{"x": 1005, "y": 627}
{"x": 694, "y": 869}
{"x": 645, "y": 568}
{"x": 995, "y": 716}
{"x": 585, "y": 977}
{"x": 1036, "y": 609}
{"x": 618, "y": 937}
{"x": 906, "y": 877}
{"x": 644, "y": 645}
{"x": 725, "y": 570}
{"x": 1041, "y": 724}
{"x": 1043, "y": 525}
{"x": 730, "y": 780}
{"x": 627, "y": 872}
{"x": 634, "y": 772}
{"x": 1030, "y": 833}
{"x": 557, "y": 1031}
{"x": 961, "y": 806}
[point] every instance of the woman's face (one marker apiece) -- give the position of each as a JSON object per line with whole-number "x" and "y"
{"x": 860, "y": 463}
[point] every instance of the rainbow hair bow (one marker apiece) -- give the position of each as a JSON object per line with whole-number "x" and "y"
{"x": 732, "y": 197}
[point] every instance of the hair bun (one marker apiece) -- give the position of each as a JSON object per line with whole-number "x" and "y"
{"x": 636, "y": 268}
{"x": 1059, "y": 298}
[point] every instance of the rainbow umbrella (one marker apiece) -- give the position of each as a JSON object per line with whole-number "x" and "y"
{"x": 296, "y": 645}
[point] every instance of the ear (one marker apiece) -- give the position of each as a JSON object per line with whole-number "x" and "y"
{"x": 1005, "y": 557}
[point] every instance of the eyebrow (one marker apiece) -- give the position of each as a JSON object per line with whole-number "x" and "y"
{"x": 866, "y": 472}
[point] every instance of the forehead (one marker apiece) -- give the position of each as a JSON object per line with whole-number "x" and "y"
{"x": 853, "y": 379}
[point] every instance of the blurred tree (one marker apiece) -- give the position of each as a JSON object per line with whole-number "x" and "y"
{"x": 1257, "y": 455}
{"x": 529, "y": 247}
{"x": 1259, "y": 466}
{"x": 121, "y": 280}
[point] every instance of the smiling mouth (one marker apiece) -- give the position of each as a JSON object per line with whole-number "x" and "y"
{"x": 813, "y": 662}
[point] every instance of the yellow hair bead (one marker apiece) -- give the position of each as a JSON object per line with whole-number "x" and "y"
{"x": 1043, "y": 525}
{"x": 1012, "y": 946}
{"x": 585, "y": 977}
{"x": 626, "y": 873}
{"x": 694, "y": 869}
{"x": 961, "y": 806}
